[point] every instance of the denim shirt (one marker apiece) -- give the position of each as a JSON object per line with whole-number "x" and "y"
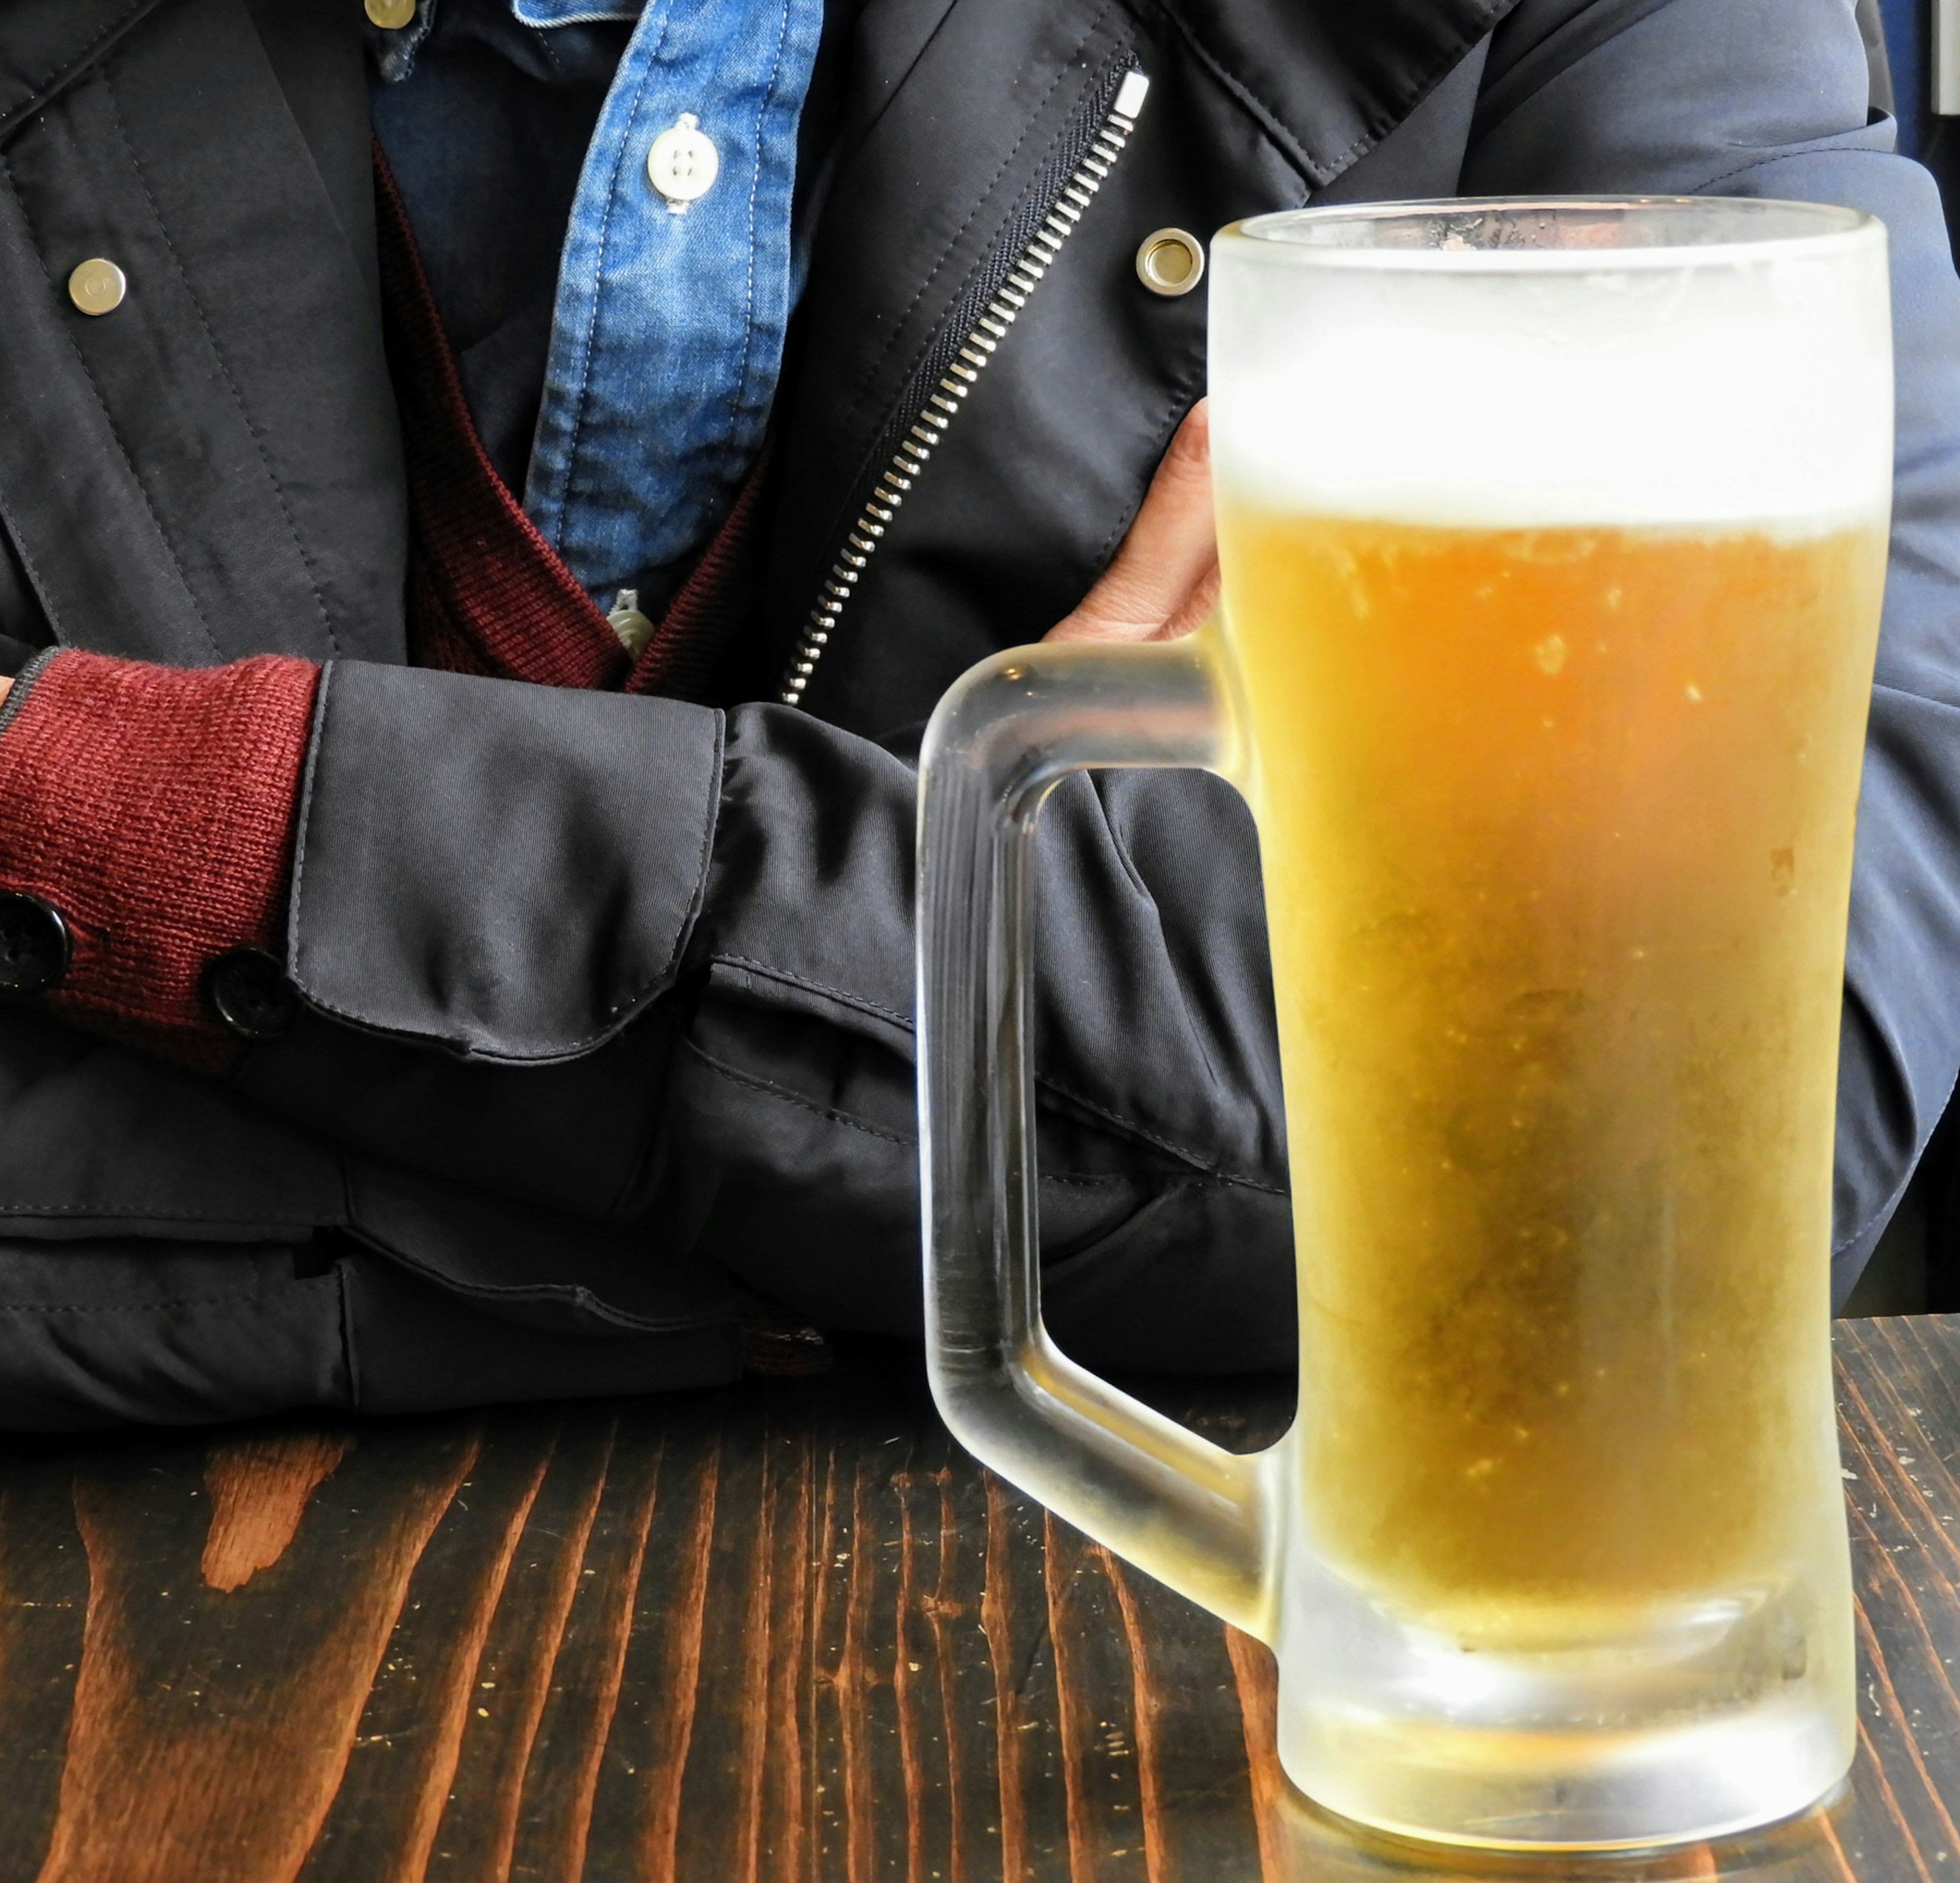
{"x": 664, "y": 337}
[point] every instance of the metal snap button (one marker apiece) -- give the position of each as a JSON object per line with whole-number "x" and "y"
{"x": 1170, "y": 262}
{"x": 683, "y": 164}
{"x": 97, "y": 286}
{"x": 249, "y": 991}
{"x": 34, "y": 946}
{"x": 390, "y": 15}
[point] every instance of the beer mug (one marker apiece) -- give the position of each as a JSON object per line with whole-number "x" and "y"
{"x": 1553, "y": 536}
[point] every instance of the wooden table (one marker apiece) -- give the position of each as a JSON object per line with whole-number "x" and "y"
{"x": 784, "y": 1632}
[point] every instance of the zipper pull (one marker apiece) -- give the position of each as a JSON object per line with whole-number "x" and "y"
{"x": 634, "y": 629}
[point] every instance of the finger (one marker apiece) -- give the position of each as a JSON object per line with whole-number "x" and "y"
{"x": 1164, "y": 577}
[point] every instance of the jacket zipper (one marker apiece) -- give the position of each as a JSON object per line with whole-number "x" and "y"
{"x": 952, "y": 371}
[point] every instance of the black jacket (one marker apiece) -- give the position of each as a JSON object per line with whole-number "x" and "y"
{"x": 607, "y": 999}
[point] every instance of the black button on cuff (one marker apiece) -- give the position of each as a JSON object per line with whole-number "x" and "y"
{"x": 249, "y": 991}
{"x": 34, "y": 946}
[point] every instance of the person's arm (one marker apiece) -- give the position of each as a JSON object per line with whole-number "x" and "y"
{"x": 157, "y": 810}
{"x": 630, "y": 959}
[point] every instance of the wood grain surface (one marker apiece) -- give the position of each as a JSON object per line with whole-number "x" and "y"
{"x": 786, "y": 1632}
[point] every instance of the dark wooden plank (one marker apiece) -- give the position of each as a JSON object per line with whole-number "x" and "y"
{"x": 635, "y": 1821}
{"x": 476, "y": 1834}
{"x": 210, "y": 1726}
{"x": 382, "y": 1827}
{"x": 43, "y": 1603}
{"x": 569, "y": 1745}
{"x": 782, "y": 1634}
{"x": 1096, "y": 1682}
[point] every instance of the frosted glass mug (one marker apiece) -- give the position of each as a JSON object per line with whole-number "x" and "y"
{"x": 1553, "y": 536}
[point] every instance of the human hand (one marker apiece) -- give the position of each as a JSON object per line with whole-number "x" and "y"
{"x": 1163, "y": 580}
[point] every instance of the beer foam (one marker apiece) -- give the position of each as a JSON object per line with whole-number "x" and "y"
{"x": 1644, "y": 393}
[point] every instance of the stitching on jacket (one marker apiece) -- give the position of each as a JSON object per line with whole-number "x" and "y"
{"x": 119, "y": 1211}
{"x": 41, "y": 92}
{"x": 972, "y": 215}
{"x": 1175, "y": 415}
{"x": 741, "y": 402}
{"x": 848, "y": 149}
{"x": 1269, "y": 120}
{"x": 1100, "y": 1239}
{"x": 1275, "y": 126}
{"x": 224, "y": 365}
{"x": 1816, "y": 147}
{"x": 818, "y": 986}
{"x": 31, "y": 569}
{"x": 664, "y": 973}
{"x": 770, "y": 1089}
{"x": 1142, "y": 888}
{"x": 1181, "y": 1152}
{"x": 145, "y": 1307}
{"x": 1892, "y": 1202}
{"x": 115, "y": 430}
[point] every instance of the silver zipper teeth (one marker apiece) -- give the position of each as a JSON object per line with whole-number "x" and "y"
{"x": 942, "y": 405}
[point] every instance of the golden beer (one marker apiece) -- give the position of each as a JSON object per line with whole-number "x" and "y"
{"x": 1557, "y": 826}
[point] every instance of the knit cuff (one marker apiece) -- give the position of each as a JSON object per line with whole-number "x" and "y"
{"x": 148, "y": 813}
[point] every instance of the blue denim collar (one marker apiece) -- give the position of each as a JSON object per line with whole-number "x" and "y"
{"x": 667, "y": 338}
{"x": 667, "y": 329}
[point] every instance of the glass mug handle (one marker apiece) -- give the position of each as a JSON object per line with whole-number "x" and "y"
{"x": 1196, "y": 1516}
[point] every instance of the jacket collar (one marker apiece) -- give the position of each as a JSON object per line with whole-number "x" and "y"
{"x": 46, "y": 45}
{"x": 1330, "y": 79}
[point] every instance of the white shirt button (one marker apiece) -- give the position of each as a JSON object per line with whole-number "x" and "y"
{"x": 683, "y": 164}
{"x": 97, "y": 286}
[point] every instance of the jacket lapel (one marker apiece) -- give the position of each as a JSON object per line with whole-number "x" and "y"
{"x": 1330, "y": 79}
{"x": 213, "y": 469}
